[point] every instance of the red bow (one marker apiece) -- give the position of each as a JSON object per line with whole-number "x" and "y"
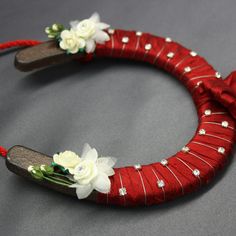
{"x": 224, "y": 91}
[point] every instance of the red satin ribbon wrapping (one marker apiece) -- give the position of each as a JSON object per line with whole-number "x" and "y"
{"x": 208, "y": 92}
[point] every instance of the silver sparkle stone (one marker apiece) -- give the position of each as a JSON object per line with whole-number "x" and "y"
{"x": 148, "y": 46}
{"x": 139, "y": 33}
{"x": 221, "y": 150}
{"x": 225, "y": 124}
{"x": 164, "y": 162}
{"x": 137, "y": 167}
{"x": 202, "y": 132}
{"x": 168, "y": 39}
{"x": 207, "y": 112}
{"x": 125, "y": 39}
{"x": 111, "y": 31}
{"x": 185, "y": 149}
{"x": 170, "y": 55}
{"x": 187, "y": 69}
{"x": 193, "y": 54}
{"x": 196, "y": 172}
{"x": 122, "y": 191}
{"x": 218, "y": 75}
{"x": 160, "y": 183}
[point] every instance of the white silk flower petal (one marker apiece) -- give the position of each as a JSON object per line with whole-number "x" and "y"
{"x": 102, "y": 183}
{"x": 95, "y": 17}
{"x": 90, "y": 46}
{"x": 86, "y": 148}
{"x": 91, "y": 155}
{"x": 101, "y": 36}
{"x": 82, "y": 191}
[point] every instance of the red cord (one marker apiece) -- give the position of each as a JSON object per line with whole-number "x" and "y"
{"x": 3, "y": 151}
{"x": 11, "y": 44}
{"x": 18, "y": 43}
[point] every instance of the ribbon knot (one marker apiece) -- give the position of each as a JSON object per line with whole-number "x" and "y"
{"x": 223, "y": 91}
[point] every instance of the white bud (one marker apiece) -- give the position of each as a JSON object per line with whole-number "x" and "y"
{"x": 30, "y": 168}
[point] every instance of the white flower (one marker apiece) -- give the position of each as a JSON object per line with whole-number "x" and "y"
{"x": 67, "y": 159}
{"x": 71, "y": 42}
{"x": 92, "y": 173}
{"x": 92, "y": 31}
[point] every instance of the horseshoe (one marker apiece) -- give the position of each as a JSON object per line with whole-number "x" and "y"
{"x": 196, "y": 164}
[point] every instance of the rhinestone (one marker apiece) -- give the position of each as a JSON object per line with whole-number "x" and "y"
{"x": 148, "y": 46}
{"x": 207, "y": 112}
{"x": 196, "y": 172}
{"x": 193, "y": 54}
{"x": 185, "y": 149}
{"x": 202, "y": 132}
{"x": 170, "y": 55}
{"x": 160, "y": 183}
{"x": 137, "y": 167}
{"x": 164, "y": 162}
{"x": 125, "y": 40}
{"x": 187, "y": 69}
{"x": 218, "y": 75}
{"x": 139, "y": 33}
{"x": 225, "y": 124}
{"x": 111, "y": 31}
{"x": 168, "y": 39}
{"x": 122, "y": 191}
{"x": 221, "y": 150}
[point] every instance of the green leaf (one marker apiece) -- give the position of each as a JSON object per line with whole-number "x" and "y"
{"x": 65, "y": 171}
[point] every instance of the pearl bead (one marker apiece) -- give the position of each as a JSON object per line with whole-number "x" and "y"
{"x": 196, "y": 172}
{"x": 185, "y": 149}
{"x": 221, "y": 150}
{"x": 137, "y": 167}
{"x": 193, "y": 54}
{"x": 187, "y": 69}
{"x": 225, "y": 124}
{"x": 218, "y": 75}
{"x": 138, "y": 33}
{"x": 207, "y": 112}
{"x": 164, "y": 162}
{"x": 125, "y": 40}
{"x": 160, "y": 183}
{"x": 202, "y": 132}
{"x": 111, "y": 31}
{"x": 148, "y": 46}
{"x": 168, "y": 39}
{"x": 122, "y": 191}
{"x": 170, "y": 55}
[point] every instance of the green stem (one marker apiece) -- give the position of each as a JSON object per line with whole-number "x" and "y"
{"x": 55, "y": 182}
{"x": 58, "y": 174}
{"x": 62, "y": 180}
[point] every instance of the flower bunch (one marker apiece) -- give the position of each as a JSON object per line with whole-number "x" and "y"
{"x": 54, "y": 31}
{"x": 46, "y": 172}
{"x": 82, "y": 36}
{"x": 88, "y": 172}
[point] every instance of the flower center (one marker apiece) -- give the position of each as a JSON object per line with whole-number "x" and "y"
{"x": 81, "y": 168}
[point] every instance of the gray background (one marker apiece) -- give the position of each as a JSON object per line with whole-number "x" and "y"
{"x": 129, "y": 110}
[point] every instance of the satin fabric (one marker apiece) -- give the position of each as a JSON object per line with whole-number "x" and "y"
{"x": 208, "y": 92}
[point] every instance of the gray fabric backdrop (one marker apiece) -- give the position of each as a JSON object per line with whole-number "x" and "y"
{"x": 131, "y": 111}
